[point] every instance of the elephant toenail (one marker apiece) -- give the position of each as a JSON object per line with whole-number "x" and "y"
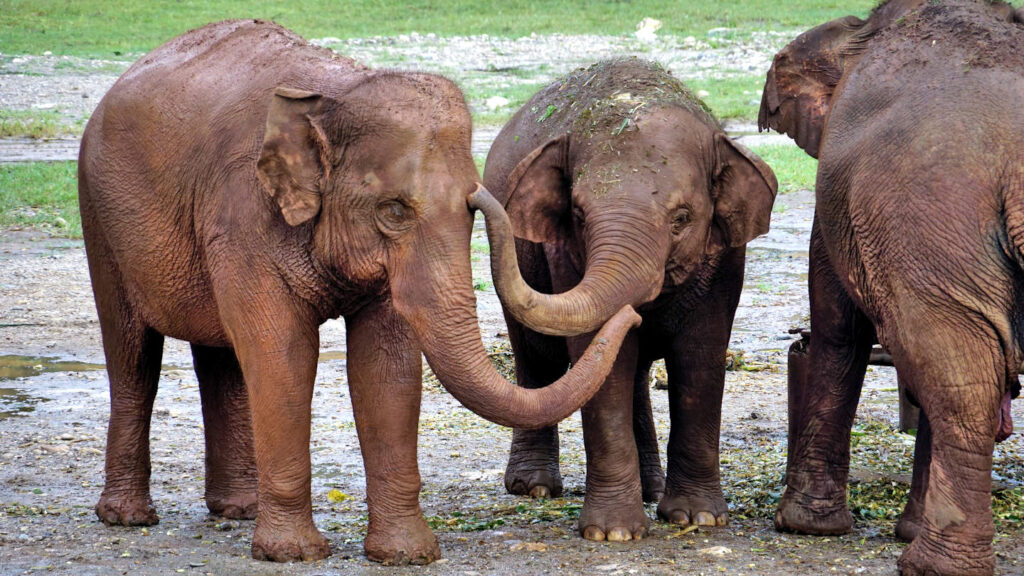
{"x": 619, "y": 535}
{"x": 540, "y": 492}
{"x": 722, "y": 520}
{"x": 681, "y": 518}
{"x": 593, "y": 533}
{"x": 704, "y": 519}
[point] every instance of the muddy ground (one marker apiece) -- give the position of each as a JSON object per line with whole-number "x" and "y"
{"x": 53, "y": 411}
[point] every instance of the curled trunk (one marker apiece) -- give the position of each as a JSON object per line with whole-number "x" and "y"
{"x": 432, "y": 290}
{"x": 620, "y": 272}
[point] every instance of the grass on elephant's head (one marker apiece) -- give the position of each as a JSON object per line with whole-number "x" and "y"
{"x": 37, "y": 124}
{"x": 42, "y": 195}
{"x": 117, "y": 27}
{"x": 793, "y": 168}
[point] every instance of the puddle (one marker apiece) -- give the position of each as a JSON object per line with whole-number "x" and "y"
{"x": 12, "y": 367}
{"x": 14, "y": 402}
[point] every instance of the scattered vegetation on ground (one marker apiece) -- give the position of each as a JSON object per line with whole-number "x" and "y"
{"x": 41, "y": 194}
{"x": 37, "y": 124}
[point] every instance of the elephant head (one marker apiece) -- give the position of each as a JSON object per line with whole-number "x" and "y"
{"x": 378, "y": 180}
{"x": 642, "y": 199}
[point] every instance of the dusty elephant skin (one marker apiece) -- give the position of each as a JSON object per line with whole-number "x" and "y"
{"x": 915, "y": 116}
{"x": 238, "y": 187}
{"x": 623, "y": 190}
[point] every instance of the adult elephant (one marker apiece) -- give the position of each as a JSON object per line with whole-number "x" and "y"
{"x": 239, "y": 187}
{"x": 623, "y": 190}
{"x": 915, "y": 117}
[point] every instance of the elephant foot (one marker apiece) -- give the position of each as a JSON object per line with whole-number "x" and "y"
{"x": 290, "y": 544}
{"x": 239, "y": 506}
{"x": 819, "y": 517}
{"x": 533, "y": 479}
{"x": 694, "y": 510}
{"x": 126, "y": 511}
{"x": 615, "y": 519}
{"x": 652, "y": 482}
{"x": 926, "y": 557}
{"x": 401, "y": 543}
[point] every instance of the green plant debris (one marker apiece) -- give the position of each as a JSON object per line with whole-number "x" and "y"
{"x": 551, "y": 109}
{"x": 488, "y": 517}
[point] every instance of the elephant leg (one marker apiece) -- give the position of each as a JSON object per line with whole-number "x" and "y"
{"x": 385, "y": 371}
{"x": 652, "y": 476}
{"x": 227, "y": 420}
{"x": 613, "y": 507}
{"x": 540, "y": 360}
{"x": 276, "y": 342}
{"x": 910, "y": 521}
{"x": 958, "y": 375}
{"x": 818, "y": 466}
{"x": 133, "y": 352}
{"x": 695, "y": 363}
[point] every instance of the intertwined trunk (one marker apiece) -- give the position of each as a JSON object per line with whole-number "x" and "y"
{"x": 625, "y": 267}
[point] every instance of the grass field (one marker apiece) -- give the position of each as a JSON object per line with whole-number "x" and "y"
{"x": 119, "y": 27}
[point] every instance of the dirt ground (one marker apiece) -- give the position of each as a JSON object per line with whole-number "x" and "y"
{"x": 53, "y": 423}
{"x": 54, "y": 407}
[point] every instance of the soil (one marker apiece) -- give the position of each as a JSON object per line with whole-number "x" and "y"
{"x": 54, "y": 408}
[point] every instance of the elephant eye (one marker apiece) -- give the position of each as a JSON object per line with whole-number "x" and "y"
{"x": 680, "y": 220}
{"x": 394, "y": 216}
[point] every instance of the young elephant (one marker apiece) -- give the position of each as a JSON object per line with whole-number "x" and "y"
{"x": 623, "y": 190}
{"x": 239, "y": 187}
{"x": 915, "y": 116}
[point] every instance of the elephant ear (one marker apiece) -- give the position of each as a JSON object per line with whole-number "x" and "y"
{"x": 538, "y": 203}
{"x": 803, "y": 76}
{"x": 744, "y": 191}
{"x": 293, "y": 163}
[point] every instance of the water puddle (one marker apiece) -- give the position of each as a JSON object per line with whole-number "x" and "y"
{"x": 12, "y": 367}
{"x": 14, "y": 401}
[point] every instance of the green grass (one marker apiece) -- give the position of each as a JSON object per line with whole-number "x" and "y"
{"x": 733, "y": 98}
{"x": 37, "y": 124}
{"x": 794, "y": 169}
{"x": 41, "y": 194}
{"x": 118, "y": 27}
{"x": 517, "y": 95}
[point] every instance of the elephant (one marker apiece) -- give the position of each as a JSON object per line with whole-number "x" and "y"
{"x": 622, "y": 189}
{"x": 914, "y": 117}
{"x": 238, "y": 187}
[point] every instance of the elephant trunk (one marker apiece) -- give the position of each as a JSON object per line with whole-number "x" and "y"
{"x": 442, "y": 314}
{"x": 621, "y": 270}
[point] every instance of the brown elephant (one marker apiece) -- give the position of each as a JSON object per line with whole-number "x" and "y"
{"x": 239, "y": 187}
{"x": 915, "y": 117}
{"x": 622, "y": 189}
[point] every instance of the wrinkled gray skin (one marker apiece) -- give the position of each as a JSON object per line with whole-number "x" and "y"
{"x": 238, "y": 187}
{"x": 916, "y": 118}
{"x": 622, "y": 189}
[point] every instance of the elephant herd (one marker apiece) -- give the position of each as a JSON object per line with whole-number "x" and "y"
{"x": 239, "y": 187}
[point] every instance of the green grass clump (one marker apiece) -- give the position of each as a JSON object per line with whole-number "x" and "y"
{"x": 41, "y": 194}
{"x": 794, "y": 169}
{"x": 36, "y": 124}
{"x": 122, "y": 27}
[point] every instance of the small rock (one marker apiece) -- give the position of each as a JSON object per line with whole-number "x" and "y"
{"x": 645, "y": 30}
{"x": 716, "y": 551}
{"x": 703, "y": 94}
